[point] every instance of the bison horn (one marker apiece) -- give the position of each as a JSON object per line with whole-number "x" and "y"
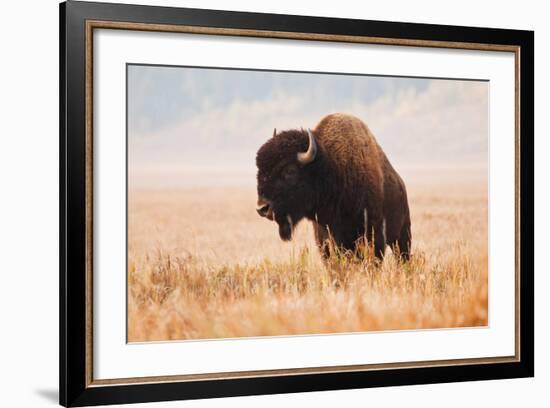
{"x": 309, "y": 155}
{"x": 274, "y": 132}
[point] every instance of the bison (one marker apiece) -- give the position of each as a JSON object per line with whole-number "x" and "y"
{"x": 338, "y": 177}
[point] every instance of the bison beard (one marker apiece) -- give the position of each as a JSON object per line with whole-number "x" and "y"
{"x": 285, "y": 227}
{"x": 338, "y": 177}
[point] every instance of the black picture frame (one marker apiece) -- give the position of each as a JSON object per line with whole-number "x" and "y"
{"x": 75, "y": 387}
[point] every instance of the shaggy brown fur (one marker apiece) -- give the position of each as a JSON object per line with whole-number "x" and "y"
{"x": 350, "y": 191}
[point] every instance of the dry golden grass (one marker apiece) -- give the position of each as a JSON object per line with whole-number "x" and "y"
{"x": 202, "y": 264}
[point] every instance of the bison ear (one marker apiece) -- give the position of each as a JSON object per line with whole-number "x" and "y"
{"x": 309, "y": 155}
{"x": 274, "y": 132}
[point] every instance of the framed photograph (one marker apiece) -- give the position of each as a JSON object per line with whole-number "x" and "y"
{"x": 257, "y": 203}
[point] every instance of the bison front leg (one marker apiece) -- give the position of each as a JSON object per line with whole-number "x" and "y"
{"x": 322, "y": 237}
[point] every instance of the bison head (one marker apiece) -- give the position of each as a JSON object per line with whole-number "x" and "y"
{"x": 286, "y": 178}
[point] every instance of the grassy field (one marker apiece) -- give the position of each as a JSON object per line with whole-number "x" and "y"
{"x": 202, "y": 264}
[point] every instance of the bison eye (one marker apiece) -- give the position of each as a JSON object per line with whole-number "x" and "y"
{"x": 290, "y": 173}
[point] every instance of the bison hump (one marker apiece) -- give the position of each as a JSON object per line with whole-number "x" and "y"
{"x": 349, "y": 143}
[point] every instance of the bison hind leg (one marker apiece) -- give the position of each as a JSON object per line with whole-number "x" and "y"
{"x": 380, "y": 240}
{"x": 404, "y": 242}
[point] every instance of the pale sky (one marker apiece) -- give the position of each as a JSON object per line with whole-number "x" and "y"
{"x": 189, "y": 122}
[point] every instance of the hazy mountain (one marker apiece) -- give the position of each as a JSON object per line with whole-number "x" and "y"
{"x": 189, "y": 120}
